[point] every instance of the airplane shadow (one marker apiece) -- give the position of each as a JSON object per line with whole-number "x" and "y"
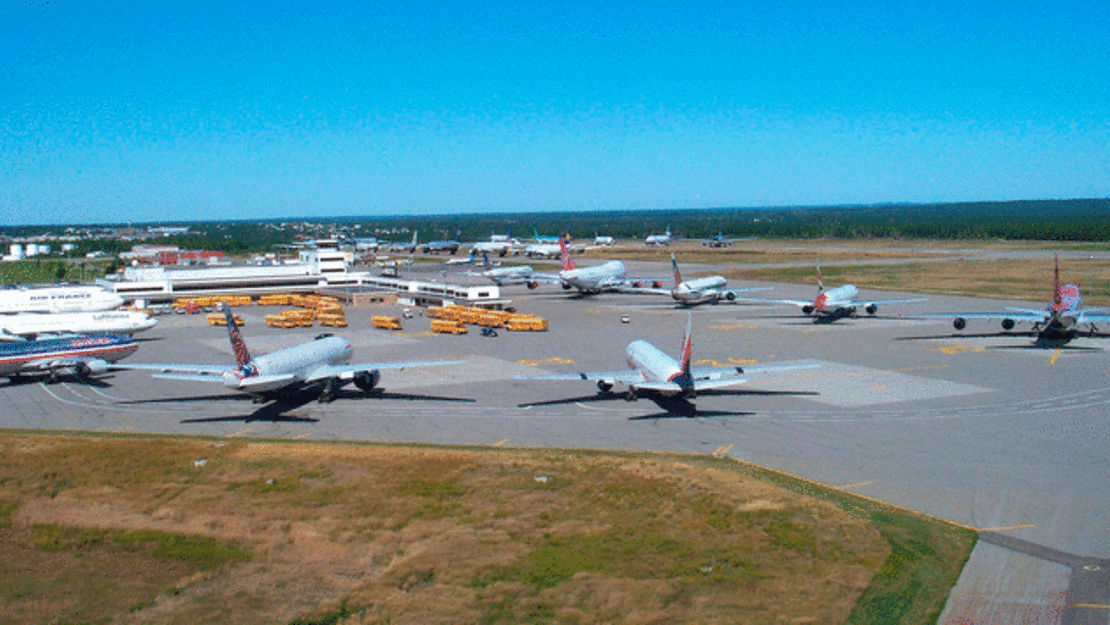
{"x": 1038, "y": 343}
{"x": 27, "y": 380}
{"x": 670, "y": 414}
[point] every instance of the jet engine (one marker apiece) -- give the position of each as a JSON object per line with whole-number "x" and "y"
{"x": 89, "y": 367}
{"x": 533, "y": 285}
{"x": 566, "y": 287}
{"x": 1007, "y": 324}
{"x": 871, "y": 309}
{"x": 959, "y": 323}
{"x": 367, "y": 380}
{"x": 730, "y": 296}
{"x": 807, "y": 309}
{"x": 604, "y": 386}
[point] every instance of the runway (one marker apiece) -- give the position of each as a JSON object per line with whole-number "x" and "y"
{"x": 987, "y": 433}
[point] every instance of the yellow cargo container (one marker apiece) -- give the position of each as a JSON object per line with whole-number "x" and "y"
{"x": 217, "y": 319}
{"x": 448, "y": 326}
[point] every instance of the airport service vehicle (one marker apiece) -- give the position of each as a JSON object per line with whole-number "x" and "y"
{"x": 40, "y": 325}
{"x": 667, "y": 382}
{"x": 58, "y": 299}
{"x": 80, "y": 355}
{"x": 322, "y": 362}
{"x": 659, "y": 240}
{"x": 1056, "y": 324}
{"x": 837, "y": 303}
{"x": 697, "y": 290}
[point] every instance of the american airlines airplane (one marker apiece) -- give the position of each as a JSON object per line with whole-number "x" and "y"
{"x": 35, "y": 325}
{"x": 81, "y": 355}
{"x": 1060, "y": 321}
{"x": 697, "y": 290}
{"x": 667, "y": 382}
{"x": 322, "y": 363}
{"x": 836, "y": 303}
{"x": 58, "y": 299}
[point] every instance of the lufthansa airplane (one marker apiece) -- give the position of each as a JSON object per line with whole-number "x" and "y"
{"x": 322, "y": 363}
{"x": 667, "y": 382}
{"x": 40, "y": 325}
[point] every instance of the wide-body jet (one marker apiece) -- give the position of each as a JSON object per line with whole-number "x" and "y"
{"x": 82, "y": 355}
{"x": 37, "y": 325}
{"x": 836, "y": 303}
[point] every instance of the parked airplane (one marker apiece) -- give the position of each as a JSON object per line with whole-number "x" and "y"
{"x": 667, "y": 382}
{"x": 836, "y": 303}
{"x": 35, "y": 325}
{"x": 538, "y": 238}
{"x": 463, "y": 260}
{"x": 322, "y": 363}
{"x": 500, "y": 244}
{"x": 659, "y": 240}
{"x": 514, "y": 274}
{"x": 58, "y": 299}
{"x": 543, "y": 250}
{"x": 451, "y": 247}
{"x": 81, "y": 355}
{"x": 717, "y": 240}
{"x": 405, "y": 247}
{"x": 698, "y": 290}
{"x": 1056, "y": 324}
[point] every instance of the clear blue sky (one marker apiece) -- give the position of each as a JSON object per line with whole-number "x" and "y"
{"x": 114, "y": 111}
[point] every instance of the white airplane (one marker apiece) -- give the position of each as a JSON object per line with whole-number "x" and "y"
{"x": 322, "y": 363}
{"x": 463, "y": 260}
{"x": 543, "y": 250}
{"x": 601, "y": 241}
{"x": 81, "y": 355}
{"x": 405, "y": 247}
{"x": 608, "y": 276}
{"x": 697, "y": 290}
{"x": 659, "y": 240}
{"x": 667, "y": 382}
{"x": 58, "y": 299}
{"x": 26, "y": 326}
{"x": 836, "y": 303}
{"x": 1056, "y": 324}
{"x": 500, "y": 244}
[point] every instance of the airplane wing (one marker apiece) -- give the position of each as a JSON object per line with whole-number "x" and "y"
{"x": 1090, "y": 316}
{"x": 51, "y": 364}
{"x": 347, "y": 372}
{"x": 795, "y": 302}
{"x": 722, "y": 373}
{"x": 643, "y": 290}
{"x": 168, "y": 370}
{"x": 628, "y": 376}
{"x": 1016, "y": 316}
{"x": 869, "y": 302}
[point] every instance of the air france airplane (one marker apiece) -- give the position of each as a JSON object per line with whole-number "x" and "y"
{"x": 321, "y": 363}
{"x": 83, "y": 355}
{"x": 667, "y": 382}
{"x": 836, "y": 303}
{"x": 37, "y": 325}
{"x": 1056, "y": 324}
{"x": 58, "y": 299}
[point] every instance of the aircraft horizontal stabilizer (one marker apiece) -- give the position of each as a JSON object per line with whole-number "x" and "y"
{"x": 189, "y": 377}
{"x": 706, "y": 385}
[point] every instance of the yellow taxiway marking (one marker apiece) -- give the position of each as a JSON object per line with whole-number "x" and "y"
{"x": 242, "y": 432}
{"x": 956, "y": 349}
{"x": 1008, "y": 527}
{"x": 854, "y": 485}
{"x": 501, "y": 442}
{"x": 728, "y": 363}
{"x": 554, "y": 360}
{"x": 722, "y": 451}
{"x": 877, "y": 386}
{"x": 1093, "y": 606}
{"x": 733, "y": 326}
{"x": 1055, "y": 355}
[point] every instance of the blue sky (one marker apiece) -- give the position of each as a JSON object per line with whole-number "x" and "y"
{"x": 113, "y": 111}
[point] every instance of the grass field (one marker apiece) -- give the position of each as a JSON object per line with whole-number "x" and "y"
{"x": 47, "y": 271}
{"x": 152, "y": 530}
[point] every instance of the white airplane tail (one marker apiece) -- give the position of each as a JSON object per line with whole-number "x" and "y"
{"x": 677, "y": 275}
{"x": 820, "y": 282}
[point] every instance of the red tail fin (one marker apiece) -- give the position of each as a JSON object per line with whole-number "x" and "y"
{"x": 242, "y": 354}
{"x": 564, "y": 255}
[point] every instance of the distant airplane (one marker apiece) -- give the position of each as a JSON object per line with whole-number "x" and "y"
{"x": 35, "y": 325}
{"x": 659, "y": 240}
{"x": 58, "y": 299}
{"x": 538, "y": 238}
{"x": 81, "y": 355}
{"x": 500, "y": 244}
{"x": 603, "y": 241}
{"x": 463, "y": 260}
{"x": 451, "y": 247}
{"x": 405, "y": 247}
{"x": 717, "y": 240}
{"x": 608, "y": 276}
{"x": 1057, "y": 324}
{"x": 514, "y": 274}
{"x": 322, "y": 363}
{"x": 543, "y": 250}
{"x": 667, "y": 382}
{"x": 837, "y": 303}
{"x": 697, "y": 290}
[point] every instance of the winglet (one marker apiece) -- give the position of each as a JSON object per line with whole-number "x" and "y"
{"x": 564, "y": 255}
{"x": 677, "y": 275}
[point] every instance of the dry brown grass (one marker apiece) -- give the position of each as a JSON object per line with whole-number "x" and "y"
{"x": 426, "y": 535}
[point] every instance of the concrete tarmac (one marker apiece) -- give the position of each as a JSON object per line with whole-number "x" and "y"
{"x": 986, "y": 432}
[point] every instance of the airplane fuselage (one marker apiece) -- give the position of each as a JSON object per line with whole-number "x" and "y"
{"x": 836, "y": 302}
{"x": 508, "y": 275}
{"x": 594, "y": 279}
{"x": 58, "y": 300}
{"x": 651, "y": 362}
{"x": 105, "y": 322}
{"x": 297, "y": 361}
{"x": 699, "y": 290}
{"x": 25, "y": 356}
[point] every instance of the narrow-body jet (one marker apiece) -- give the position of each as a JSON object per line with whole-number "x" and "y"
{"x": 81, "y": 355}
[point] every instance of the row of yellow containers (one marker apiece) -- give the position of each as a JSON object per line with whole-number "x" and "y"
{"x": 213, "y": 300}
{"x": 489, "y": 318}
{"x": 299, "y": 299}
{"x": 218, "y": 319}
{"x": 304, "y": 318}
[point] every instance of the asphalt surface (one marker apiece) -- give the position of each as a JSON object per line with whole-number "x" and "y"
{"x": 983, "y": 431}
